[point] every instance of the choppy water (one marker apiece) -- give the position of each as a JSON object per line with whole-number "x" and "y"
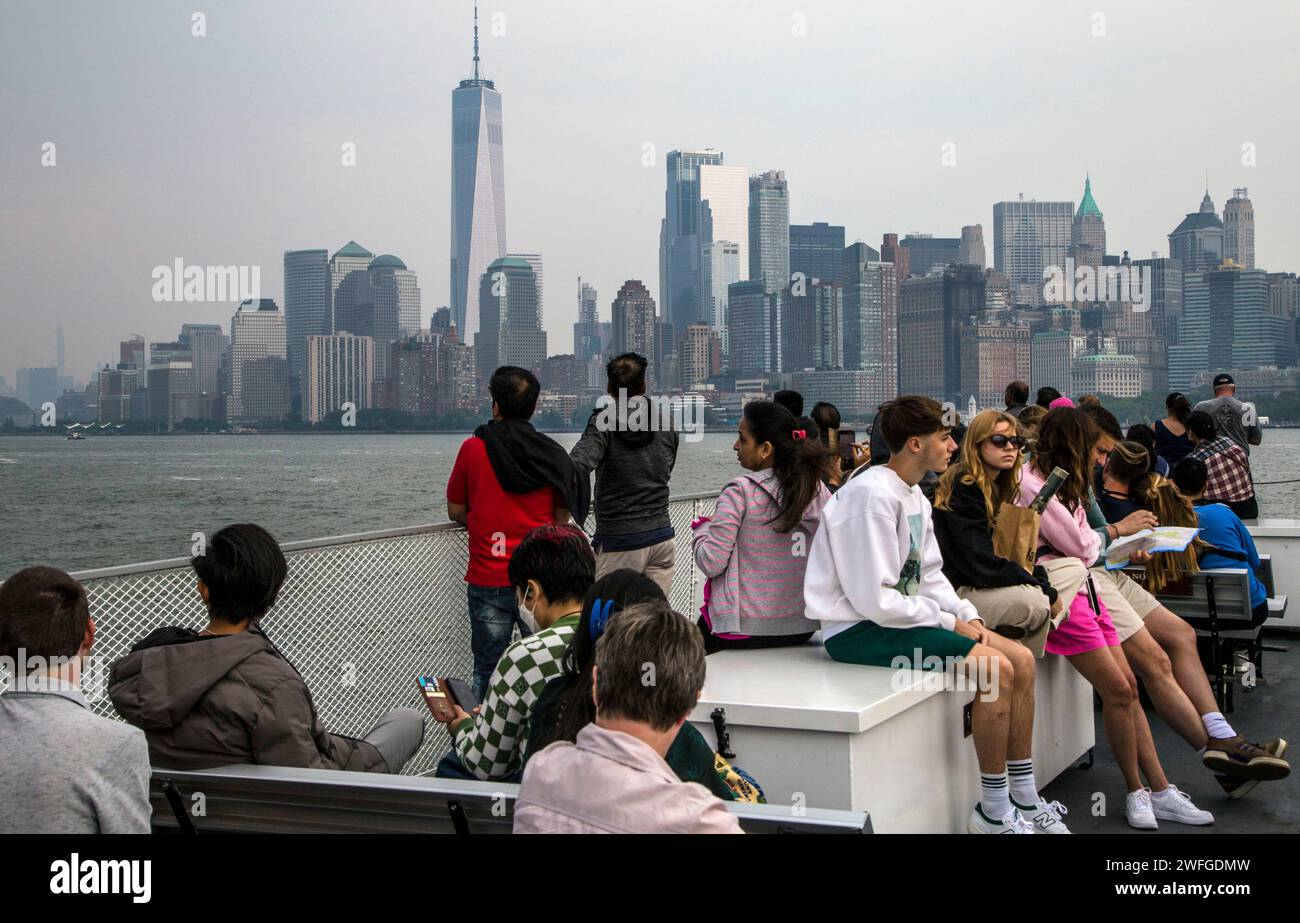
{"x": 104, "y": 501}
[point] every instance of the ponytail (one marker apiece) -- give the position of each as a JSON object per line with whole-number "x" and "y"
{"x": 1171, "y": 508}
{"x": 800, "y": 460}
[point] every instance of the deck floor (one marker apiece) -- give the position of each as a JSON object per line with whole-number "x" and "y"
{"x": 1271, "y": 709}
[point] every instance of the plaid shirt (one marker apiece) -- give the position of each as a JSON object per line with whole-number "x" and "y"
{"x": 1227, "y": 468}
{"x": 491, "y": 745}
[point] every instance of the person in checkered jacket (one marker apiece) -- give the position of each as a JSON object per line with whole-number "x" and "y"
{"x": 1227, "y": 464}
{"x": 550, "y": 572}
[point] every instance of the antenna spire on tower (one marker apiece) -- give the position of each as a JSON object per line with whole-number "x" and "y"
{"x": 475, "y": 41}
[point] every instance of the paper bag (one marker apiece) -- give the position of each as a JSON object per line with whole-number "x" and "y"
{"x": 1015, "y": 535}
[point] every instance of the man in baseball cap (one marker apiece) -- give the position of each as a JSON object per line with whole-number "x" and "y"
{"x": 1232, "y": 418}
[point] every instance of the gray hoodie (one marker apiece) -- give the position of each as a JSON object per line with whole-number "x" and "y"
{"x": 212, "y": 701}
{"x": 632, "y": 472}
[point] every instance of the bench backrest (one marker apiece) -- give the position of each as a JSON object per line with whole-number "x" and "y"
{"x": 273, "y": 799}
{"x": 1228, "y": 589}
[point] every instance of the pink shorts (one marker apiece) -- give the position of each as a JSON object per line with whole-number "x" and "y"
{"x": 1083, "y": 629}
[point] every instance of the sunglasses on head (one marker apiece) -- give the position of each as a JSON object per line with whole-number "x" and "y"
{"x": 1002, "y": 441}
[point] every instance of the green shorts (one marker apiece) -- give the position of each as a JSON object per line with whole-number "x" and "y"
{"x": 923, "y": 648}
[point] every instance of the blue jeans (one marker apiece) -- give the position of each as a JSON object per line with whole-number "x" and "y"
{"x": 493, "y": 614}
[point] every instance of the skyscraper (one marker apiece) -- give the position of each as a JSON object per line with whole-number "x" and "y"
{"x": 586, "y": 331}
{"x": 1088, "y": 227}
{"x": 679, "y": 237}
{"x": 720, "y": 266}
{"x": 535, "y": 260}
{"x": 931, "y": 311}
{"x": 816, "y": 250}
{"x": 724, "y": 213}
{"x": 1228, "y": 323}
{"x": 891, "y": 251}
{"x": 769, "y": 230}
{"x": 256, "y": 332}
{"x": 927, "y": 253}
{"x": 871, "y": 319}
{"x": 340, "y": 367}
{"x": 386, "y": 306}
{"x": 754, "y": 329}
{"x": 346, "y": 268}
{"x": 511, "y": 331}
{"x": 478, "y": 192}
{"x": 204, "y": 344}
{"x": 132, "y": 351}
{"x": 1238, "y": 229}
{"x": 1197, "y": 242}
{"x": 634, "y": 322}
{"x": 993, "y": 352}
{"x": 812, "y": 327}
{"x": 307, "y": 310}
{"x": 1029, "y": 237}
{"x": 971, "y": 250}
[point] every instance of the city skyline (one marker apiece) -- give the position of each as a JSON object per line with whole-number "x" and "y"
{"x": 250, "y": 204}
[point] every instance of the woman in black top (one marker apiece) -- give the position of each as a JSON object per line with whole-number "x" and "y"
{"x": 1172, "y": 442}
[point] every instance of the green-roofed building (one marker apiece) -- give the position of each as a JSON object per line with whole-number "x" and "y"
{"x": 1088, "y": 230}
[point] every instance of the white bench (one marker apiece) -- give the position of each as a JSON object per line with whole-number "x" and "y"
{"x": 815, "y": 732}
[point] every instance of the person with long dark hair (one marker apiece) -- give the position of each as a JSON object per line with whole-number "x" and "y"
{"x": 1088, "y": 637}
{"x": 1172, "y": 441}
{"x": 565, "y": 706}
{"x": 755, "y": 546}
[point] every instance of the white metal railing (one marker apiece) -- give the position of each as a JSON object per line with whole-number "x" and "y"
{"x": 360, "y": 615}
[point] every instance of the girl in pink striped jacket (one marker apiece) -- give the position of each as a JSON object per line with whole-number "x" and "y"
{"x": 755, "y": 547}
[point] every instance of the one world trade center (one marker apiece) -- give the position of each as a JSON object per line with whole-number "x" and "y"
{"x": 478, "y": 192}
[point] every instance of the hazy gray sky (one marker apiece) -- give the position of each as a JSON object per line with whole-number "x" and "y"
{"x": 225, "y": 149}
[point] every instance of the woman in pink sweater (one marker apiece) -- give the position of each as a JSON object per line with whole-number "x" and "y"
{"x": 755, "y": 547}
{"x": 1087, "y": 637}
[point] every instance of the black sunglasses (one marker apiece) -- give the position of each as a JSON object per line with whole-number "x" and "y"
{"x": 1002, "y": 441}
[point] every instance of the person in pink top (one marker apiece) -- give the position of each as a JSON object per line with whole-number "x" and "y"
{"x": 1087, "y": 636}
{"x": 613, "y": 778}
{"x": 754, "y": 550}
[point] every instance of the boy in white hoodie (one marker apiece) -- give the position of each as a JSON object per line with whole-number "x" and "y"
{"x": 875, "y": 582}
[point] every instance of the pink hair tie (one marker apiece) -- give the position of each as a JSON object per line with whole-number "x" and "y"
{"x": 799, "y": 434}
{"x": 1060, "y": 402}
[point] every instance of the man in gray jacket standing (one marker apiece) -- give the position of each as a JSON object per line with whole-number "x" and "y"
{"x": 632, "y": 452}
{"x": 64, "y": 769}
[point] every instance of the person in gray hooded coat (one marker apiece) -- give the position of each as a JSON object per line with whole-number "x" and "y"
{"x": 227, "y": 694}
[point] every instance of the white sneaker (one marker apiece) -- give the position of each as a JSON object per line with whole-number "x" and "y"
{"x": 1013, "y": 822}
{"x": 1045, "y": 816}
{"x": 1171, "y": 804}
{"x": 1137, "y": 808}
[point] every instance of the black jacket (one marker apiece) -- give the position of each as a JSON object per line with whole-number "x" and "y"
{"x": 632, "y": 468}
{"x": 965, "y": 538}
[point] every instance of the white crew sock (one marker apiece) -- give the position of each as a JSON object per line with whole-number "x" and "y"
{"x": 1024, "y": 790}
{"x": 993, "y": 795}
{"x": 1217, "y": 726}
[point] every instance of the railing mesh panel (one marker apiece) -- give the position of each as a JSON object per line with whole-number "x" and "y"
{"x": 360, "y": 619}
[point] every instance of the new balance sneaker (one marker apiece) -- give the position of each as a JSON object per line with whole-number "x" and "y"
{"x": 1236, "y": 787}
{"x": 1045, "y": 816}
{"x": 1138, "y": 811}
{"x": 1013, "y": 822}
{"x": 1237, "y": 756}
{"x": 1171, "y": 804}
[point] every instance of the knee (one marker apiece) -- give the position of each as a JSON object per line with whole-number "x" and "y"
{"x": 1159, "y": 665}
{"x": 1006, "y": 672}
{"x": 1022, "y": 663}
{"x": 1182, "y": 636}
{"x": 1118, "y": 693}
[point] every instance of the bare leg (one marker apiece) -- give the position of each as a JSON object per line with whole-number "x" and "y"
{"x": 1103, "y": 673}
{"x": 991, "y": 713}
{"x": 1148, "y": 760}
{"x": 1179, "y": 641}
{"x": 1150, "y": 661}
{"x": 1020, "y": 737}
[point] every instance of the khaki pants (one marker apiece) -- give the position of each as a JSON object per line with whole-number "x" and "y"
{"x": 656, "y": 562}
{"x": 1127, "y": 601}
{"x": 1026, "y": 606}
